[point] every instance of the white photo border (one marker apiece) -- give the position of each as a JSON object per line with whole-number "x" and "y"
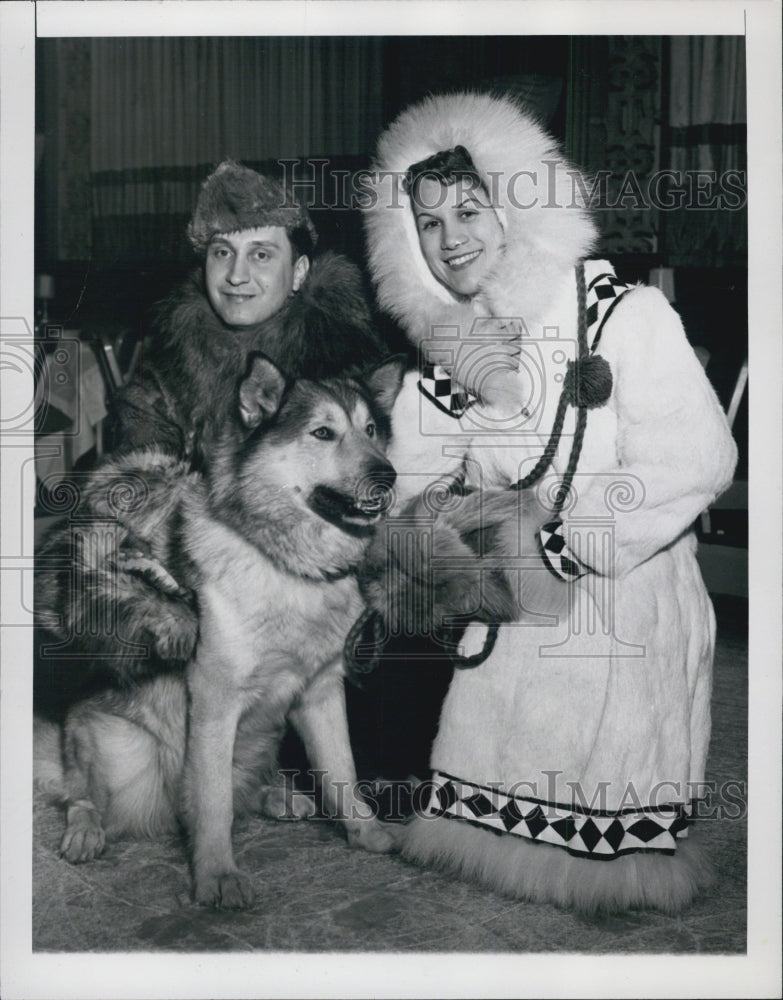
{"x": 27, "y": 975}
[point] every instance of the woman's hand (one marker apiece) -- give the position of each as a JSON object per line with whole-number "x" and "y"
{"x": 488, "y": 368}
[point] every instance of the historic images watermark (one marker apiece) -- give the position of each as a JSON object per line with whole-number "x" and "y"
{"x": 397, "y": 800}
{"x": 316, "y": 185}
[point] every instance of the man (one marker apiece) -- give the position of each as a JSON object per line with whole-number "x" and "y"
{"x": 257, "y": 290}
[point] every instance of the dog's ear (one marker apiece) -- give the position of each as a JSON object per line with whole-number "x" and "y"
{"x": 260, "y": 392}
{"x": 384, "y": 382}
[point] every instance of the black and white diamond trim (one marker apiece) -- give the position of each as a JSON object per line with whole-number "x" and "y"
{"x": 590, "y": 833}
{"x": 435, "y": 383}
{"x": 603, "y": 294}
{"x": 557, "y": 555}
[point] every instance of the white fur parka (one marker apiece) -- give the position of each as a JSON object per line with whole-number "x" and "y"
{"x": 601, "y": 719}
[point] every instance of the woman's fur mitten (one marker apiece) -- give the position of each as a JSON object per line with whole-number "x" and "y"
{"x": 449, "y": 559}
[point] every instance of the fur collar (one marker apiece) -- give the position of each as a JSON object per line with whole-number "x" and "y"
{"x": 323, "y": 330}
{"x": 543, "y": 243}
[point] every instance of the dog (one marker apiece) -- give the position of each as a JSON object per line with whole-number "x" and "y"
{"x": 241, "y": 583}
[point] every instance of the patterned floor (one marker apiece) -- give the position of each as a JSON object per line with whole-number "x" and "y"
{"x": 317, "y": 895}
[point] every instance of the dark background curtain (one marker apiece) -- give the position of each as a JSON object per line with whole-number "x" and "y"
{"x": 706, "y": 135}
{"x": 133, "y": 125}
{"x": 130, "y": 127}
{"x": 165, "y": 111}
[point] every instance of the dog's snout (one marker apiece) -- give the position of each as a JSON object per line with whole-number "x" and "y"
{"x": 375, "y": 492}
{"x": 383, "y": 476}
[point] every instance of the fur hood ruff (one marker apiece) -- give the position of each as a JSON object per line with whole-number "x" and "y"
{"x": 534, "y": 190}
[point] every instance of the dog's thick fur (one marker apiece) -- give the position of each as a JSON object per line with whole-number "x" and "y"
{"x": 269, "y": 538}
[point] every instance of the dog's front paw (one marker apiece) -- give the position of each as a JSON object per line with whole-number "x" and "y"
{"x": 371, "y": 835}
{"x": 84, "y": 838}
{"x": 225, "y": 891}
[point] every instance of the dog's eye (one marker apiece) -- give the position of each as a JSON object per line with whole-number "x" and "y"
{"x": 370, "y": 430}
{"x": 323, "y": 433}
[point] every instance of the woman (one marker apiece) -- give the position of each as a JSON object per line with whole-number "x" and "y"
{"x": 581, "y": 739}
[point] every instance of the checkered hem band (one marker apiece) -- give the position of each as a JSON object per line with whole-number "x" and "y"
{"x": 595, "y": 834}
{"x": 557, "y": 555}
{"x": 435, "y": 383}
{"x": 603, "y": 294}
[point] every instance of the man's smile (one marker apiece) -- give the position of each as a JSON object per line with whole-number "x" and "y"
{"x": 250, "y": 274}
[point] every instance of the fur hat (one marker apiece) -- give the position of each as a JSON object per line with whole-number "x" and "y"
{"x": 234, "y": 197}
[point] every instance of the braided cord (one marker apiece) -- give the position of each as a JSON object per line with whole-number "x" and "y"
{"x": 355, "y": 667}
{"x": 568, "y": 395}
{"x": 581, "y": 417}
{"x": 545, "y": 461}
{"x": 469, "y": 662}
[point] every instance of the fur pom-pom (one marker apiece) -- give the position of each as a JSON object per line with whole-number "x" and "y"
{"x": 589, "y": 382}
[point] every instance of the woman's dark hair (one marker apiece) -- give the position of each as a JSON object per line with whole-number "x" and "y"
{"x": 447, "y": 167}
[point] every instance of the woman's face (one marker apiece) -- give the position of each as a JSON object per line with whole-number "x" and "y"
{"x": 459, "y": 232}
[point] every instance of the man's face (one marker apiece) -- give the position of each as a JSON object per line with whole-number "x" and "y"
{"x": 250, "y": 274}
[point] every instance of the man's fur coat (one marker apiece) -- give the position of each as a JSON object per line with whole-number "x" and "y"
{"x": 179, "y": 399}
{"x": 166, "y": 422}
